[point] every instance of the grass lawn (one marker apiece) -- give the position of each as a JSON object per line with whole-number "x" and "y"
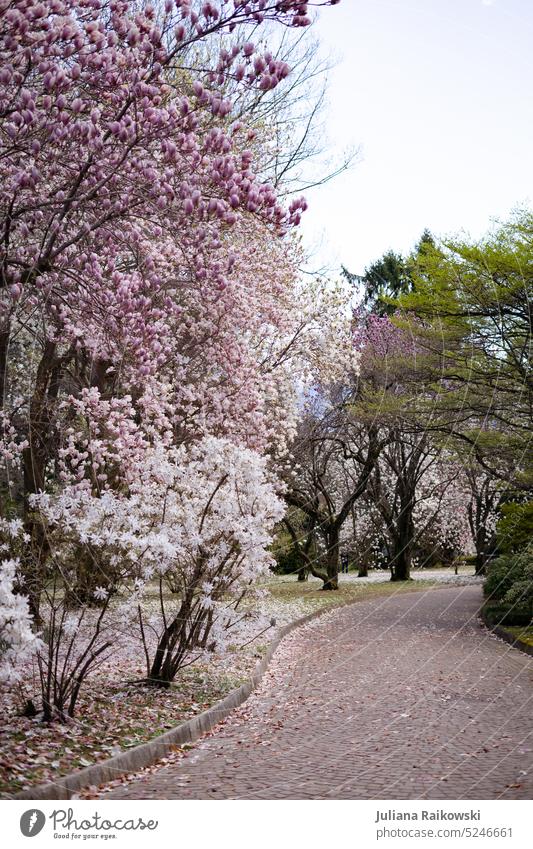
{"x": 307, "y": 591}
{"x": 521, "y": 632}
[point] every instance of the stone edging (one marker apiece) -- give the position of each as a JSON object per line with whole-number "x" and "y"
{"x": 500, "y": 631}
{"x": 149, "y": 753}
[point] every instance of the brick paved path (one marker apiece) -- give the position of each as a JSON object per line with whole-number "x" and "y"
{"x": 400, "y": 697}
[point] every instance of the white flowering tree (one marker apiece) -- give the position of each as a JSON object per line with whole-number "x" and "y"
{"x": 485, "y": 496}
{"x": 215, "y": 513}
{"x": 193, "y": 521}
{"x": 17, "y": 640}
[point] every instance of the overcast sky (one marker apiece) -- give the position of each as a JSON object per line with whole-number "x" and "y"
{"x": 438, "y": 95}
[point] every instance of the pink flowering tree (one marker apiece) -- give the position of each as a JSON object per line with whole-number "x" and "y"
{"x": 331, "y": 464}
{"x": 131, "y": 201}
{"x": 148, "y": 306}
{"x": 387, "y": 356}
{"x": 330, "y": 460}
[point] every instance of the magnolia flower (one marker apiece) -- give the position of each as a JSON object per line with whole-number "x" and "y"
{"x": 70, "y": 626}
{"x": 17, "y": 640}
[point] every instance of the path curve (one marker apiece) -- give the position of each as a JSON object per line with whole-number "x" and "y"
{"x": 402, "y": 697}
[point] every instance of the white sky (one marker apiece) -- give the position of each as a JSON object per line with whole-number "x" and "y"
{"x": 438, "y": 94}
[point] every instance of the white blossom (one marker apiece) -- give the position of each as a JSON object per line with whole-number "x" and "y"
{"x": 17, "y": 640}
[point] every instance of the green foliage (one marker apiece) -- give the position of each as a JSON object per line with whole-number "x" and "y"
{"x": 497, "y": 613}
{"x": 389, "y": 277}
{"x": 470, "y": 309}
{"x": 287, "y": 558}
{"x": 515, "y": 527}
{"x": 509, "y": 588}
{"x": 287, "y": 561}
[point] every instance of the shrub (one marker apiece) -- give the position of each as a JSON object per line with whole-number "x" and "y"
{"x": 509, "y": 588}
{"x": 515, "y": 527}
{"x": 287, "y": 560}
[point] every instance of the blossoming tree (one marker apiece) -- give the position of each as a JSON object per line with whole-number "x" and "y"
{"x": 148, "y": 282}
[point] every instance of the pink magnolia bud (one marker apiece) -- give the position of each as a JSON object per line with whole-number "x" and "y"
{"x": 259, "y": 65}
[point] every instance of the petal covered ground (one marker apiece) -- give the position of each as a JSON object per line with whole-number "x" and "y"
{"x": 401, "y": 697}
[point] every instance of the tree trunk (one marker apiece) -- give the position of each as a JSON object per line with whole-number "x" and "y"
{"x": 401, "y": 565}
{"x": 403, "y": 537}
{"x": 483, "y": 549}
{"x": 481, "y": 563}
{"x": 180, "y": 635}
{"x": 35, "y": 459}
{"x": 159, "y": 675}
{"x": 331, "y": 581}
{"x": 4, "y": 347}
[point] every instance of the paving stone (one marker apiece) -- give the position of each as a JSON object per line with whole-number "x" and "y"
{"x": 402, "y": 697}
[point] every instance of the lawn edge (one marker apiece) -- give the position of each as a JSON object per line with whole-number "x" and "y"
{"x": 502, "y": 632}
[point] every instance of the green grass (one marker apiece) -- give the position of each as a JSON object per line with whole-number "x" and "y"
{"x": 310, "y": 592}
{"x": 521, "y": 632}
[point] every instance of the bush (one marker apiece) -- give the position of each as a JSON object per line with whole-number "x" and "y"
{"x": 287, "y": 562}
{"x": 508, "y": 588}
{"x": 505, "y": 614}
{"x": 515, "y": 527}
